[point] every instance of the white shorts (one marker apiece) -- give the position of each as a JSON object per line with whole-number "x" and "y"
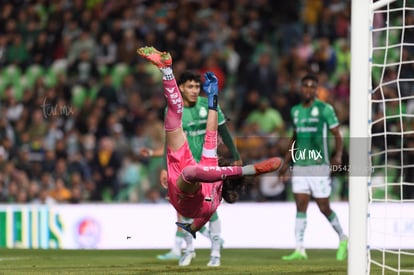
{"x": 313, "y": 180}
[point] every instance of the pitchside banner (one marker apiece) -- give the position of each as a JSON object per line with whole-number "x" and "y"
{"x": 30, "y": 227}
{"x": 151, "y": 226}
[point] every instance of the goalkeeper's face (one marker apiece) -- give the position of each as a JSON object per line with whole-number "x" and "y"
{"x": 308, "y": 90}
{"x": 190, "y": 90}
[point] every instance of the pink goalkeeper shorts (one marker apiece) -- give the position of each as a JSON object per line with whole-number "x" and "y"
{"x": 191, "y": 205}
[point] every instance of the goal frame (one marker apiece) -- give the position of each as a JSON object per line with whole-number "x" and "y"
{"x": 360, "y": 109}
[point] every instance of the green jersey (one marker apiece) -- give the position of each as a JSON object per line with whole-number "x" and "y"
{"x": 194, "y": 125}
{"x": 311, "y": 125}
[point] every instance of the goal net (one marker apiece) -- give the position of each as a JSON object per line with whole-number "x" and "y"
{"x": 390, "y": 181}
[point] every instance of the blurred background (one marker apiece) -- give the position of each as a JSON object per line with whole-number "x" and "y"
{"x": 78, "y": 104}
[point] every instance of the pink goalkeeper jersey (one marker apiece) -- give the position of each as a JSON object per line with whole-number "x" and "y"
{"x": 200, "y": 205}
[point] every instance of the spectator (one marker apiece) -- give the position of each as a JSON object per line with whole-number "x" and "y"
{"x": 3, "y": 192}
{"x": 108, "y": 94}
{"x": 105, "y": 166}
{"x": 130, "y": 85}
{"x": 304, "y": 50}
{"x": 265, "y": 119}
{"x": 153, "y": 195}
{"x": 127, "y": 48}
{"x": 12, "y": 191}
{"x": 61, "y": 171}
{"x": 76, "y": 194}
{"x": 61, "y": 49}
{"x": 84, "y": 70}
{"x": 21, "y": 196}
{"x": 211, "y": 64}
{"x": 17, "y": 53}
{"x": 40, "y": 52}
{"x": 341, "y": 91}
{"x": 44, "y": 198}
{"x": 60, "y": 192}
{"x": 14, "y": 108}
{"x": 49, "y": 161}
{"x": 3, "y": 49}
{"x": 262, "y": 77}
{"x": 57, "y": 38}
{"x": 106, "y": 51}
{"x": 290, "y": 98}
{"x": 6, "y": 129}
{"x": 78, "y": 169}
{"x": 324, "y": 58}
{"x": 81, "y": 44}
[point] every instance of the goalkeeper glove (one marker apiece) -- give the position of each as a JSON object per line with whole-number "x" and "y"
{"x": 210, "y": 86}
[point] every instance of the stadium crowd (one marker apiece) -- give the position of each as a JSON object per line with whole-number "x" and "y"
{"x": 78, "y": 104}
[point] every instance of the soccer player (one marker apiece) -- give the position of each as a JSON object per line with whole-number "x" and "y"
{"x": 194, "y": 121}
{"x": 196, "y": 189}
{"x": 311, "y": 172}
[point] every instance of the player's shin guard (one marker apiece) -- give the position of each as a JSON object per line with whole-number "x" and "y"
{"x": 205, "y": 232}
{"x": 336, "y": 225}
{"x": 179, "y": 238}
{"x": 174, "y": 104}
{"x": 210, "y": 144}
{"x": 189, "y": 241}
{"x": 215, "y": 231}
{"x": 300, "y": 227}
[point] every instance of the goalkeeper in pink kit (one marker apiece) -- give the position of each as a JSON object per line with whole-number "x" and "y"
{"x": 196, "y": 189}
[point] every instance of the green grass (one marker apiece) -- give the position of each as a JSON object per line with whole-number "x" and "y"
{"x": 234, "y": 261}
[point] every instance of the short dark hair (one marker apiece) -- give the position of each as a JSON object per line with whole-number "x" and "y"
{"x": 189, "y": 76}
{"x": 232, "y": 188}
{"x": 312, "y": 77}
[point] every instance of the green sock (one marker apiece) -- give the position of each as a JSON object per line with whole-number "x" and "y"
{"x": 214, "y": 217}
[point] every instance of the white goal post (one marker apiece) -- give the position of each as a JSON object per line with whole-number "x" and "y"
{"x": 359, "y": 100}
{"x": 381, "y": 182}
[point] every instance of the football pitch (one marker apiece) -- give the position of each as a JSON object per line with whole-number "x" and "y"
{"x": 234, "y": 261}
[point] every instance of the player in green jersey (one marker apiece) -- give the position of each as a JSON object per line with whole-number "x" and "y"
{"x": 194, "y": 121}
{"x": 308, "y": 153}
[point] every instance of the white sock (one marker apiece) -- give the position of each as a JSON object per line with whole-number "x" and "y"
{"x": 167, "y": 73}
{"x": 300, "y": 227}
{"x": 205, "y": 232}
{"x": 248, "y": 170}
{"x": 215, "y": 231}
{"x": 189, "y": 241}
{"x": 187, "y": 236}
{"x": 336, "y": 225}
{"x": 178, "y": 241}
